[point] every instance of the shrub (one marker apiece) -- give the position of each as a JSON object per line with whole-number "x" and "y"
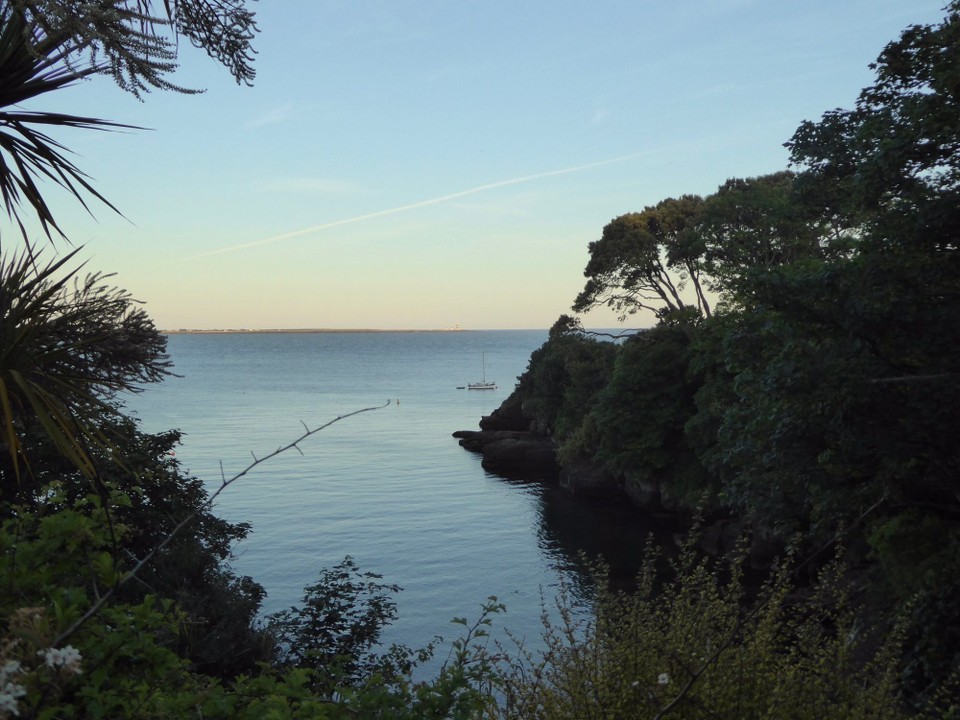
{"x": 704, "y": 646}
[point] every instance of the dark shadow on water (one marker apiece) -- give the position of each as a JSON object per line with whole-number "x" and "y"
{"x": 576, "y": 531}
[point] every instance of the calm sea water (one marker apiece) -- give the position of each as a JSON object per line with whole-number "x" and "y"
{"x": 389, "y": 487}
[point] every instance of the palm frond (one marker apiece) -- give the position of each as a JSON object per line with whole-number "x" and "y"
{"x": 28, "y": 154}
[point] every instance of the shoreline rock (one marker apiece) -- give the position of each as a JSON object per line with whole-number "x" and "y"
{"x": 509, "y": 445}
{"x": 513, "y": 453}
{"x": 590, "y": 479}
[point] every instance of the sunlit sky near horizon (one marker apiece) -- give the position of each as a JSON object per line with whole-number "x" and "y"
{"x": 426, "y": 163}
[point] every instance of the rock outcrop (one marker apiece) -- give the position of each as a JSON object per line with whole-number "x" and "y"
{"x": 508, "y": 445}
{"x": 513, "y": 453}
{"x": 586, "y": 478}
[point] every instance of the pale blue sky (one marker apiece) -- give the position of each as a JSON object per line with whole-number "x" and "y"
{"x": 418, "y": 163}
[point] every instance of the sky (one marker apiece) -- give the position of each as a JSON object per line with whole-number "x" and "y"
{"x": 425, "y": 164}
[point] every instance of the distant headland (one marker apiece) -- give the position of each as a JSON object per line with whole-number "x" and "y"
{"x": 226, "y": 331}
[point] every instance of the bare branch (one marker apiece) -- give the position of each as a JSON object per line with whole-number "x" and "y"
{"x": 913, "y": 378}
{"x": 627, "y": 332}
{"x": 98, "y": 605}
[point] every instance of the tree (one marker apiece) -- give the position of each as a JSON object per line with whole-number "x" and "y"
{"x": 644, "y": 260}
{"x": 846, "y": 366}
{"x": 751, "y": 225}
{"x": 830, "y": 392}
{"x": 891, "y": 166}
{"x": 338, "y": 627}
{"x": 46, "y": 45}
{"x": 564, "y": 376}
{"x": 65, "y": 351}
{"x": 641, "y": 412}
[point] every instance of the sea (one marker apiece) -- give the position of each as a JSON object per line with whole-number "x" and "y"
{"x": 383, "y": 481}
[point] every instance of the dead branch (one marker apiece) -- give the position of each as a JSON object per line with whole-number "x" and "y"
{"x": 224, "y": 484}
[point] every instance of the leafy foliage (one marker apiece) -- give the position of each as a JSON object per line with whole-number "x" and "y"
{"x": 890, "y": 166}
{"x": 751, "y": 226}
{"x": 28, "y": 153}
{"x": 339, "y": 625}
{"x": 564, "y": 376}
{"x": 652, "y": 371}
{"x": 700, "y": 647}
{"x": 644, "y": 260}
{"x": 128, "y": 659}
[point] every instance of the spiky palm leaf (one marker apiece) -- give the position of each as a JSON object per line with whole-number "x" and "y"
{"x": 46, "y": 45}
{"x": 28, "y": 154}
{"x": 67, "y": 346}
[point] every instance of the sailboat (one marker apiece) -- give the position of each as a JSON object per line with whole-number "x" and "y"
{"x": 483, "y": 384}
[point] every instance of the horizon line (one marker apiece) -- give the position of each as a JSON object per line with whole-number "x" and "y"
{"x": 200, "y": 331}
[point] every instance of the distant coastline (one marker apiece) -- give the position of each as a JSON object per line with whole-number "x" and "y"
{"x": 236, "y": 331}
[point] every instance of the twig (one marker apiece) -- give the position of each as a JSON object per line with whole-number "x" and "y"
{"x": 912, "y": 378}
{"x": 626, "y": 333}
{"x": 224, "y": 484}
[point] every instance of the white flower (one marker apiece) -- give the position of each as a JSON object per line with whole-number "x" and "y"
{"x": 635, "y": 684}
{"x": 8, "y": 698}
{"x": 9, "y": 668}
{"x": 14, "y": 690}
{"x": 71, "y": 658}
{"x": 8, "y": 706}
{"x": 663, "y": 679}
{"x": 68, "y": 658}
{"x": 51, "y": 656}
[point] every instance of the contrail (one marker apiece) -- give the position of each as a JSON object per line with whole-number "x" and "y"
{"x": 414, "y": 206}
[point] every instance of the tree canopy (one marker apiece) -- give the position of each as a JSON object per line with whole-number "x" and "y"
{"x": 644, "y": 260}
{"x": 820, "y": 395}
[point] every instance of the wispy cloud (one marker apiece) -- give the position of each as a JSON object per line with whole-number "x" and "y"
{"x": 416, "y": 205}
{"x": 272, "y": 117}
{"x": 599, "y": 116}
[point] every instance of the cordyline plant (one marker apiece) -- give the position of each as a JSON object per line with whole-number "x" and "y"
{"x": 46, "y": 45}
{"x": 68, "y": 344}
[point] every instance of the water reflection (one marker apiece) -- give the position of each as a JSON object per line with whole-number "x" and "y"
{"x": 575, "y": 531}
